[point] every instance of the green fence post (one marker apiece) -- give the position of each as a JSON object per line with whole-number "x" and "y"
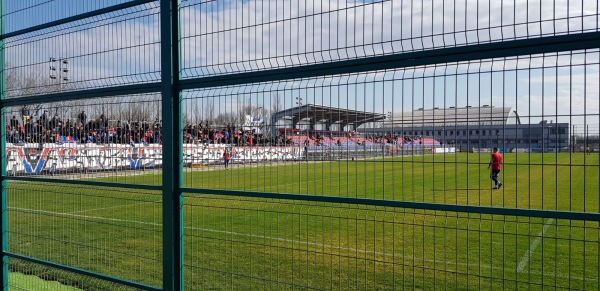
{"x": 172, "y": 147}
{"x": 4, "y": 218}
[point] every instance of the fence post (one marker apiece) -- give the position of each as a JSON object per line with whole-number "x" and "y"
{"x": 172, "y": 147}
{"x": 4, "y": 218}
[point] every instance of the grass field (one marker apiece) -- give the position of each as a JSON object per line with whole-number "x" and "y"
{"x": 29, "y": 282}
{"x": 252, "y": 243}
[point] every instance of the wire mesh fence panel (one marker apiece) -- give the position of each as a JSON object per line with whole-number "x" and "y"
{"x": 44, "y": 12}
{"x": 422, "y": 134}
{"x": 262, "y": 244}
{"x": 107, "y": 230}
{"x": 98, "y": 52}
{"x": 116, "y": 139}
{"x": 396, "y": 144}
{"x": 229, "y": 37}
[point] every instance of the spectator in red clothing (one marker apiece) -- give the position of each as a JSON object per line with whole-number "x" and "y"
{"x": 496, "y": 165}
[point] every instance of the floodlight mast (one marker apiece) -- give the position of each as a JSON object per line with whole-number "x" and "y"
{"x": 62, "y": 68}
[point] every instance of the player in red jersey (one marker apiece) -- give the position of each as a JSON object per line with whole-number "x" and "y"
{"x": 496, "y": 165}
{"x": 226, "y": 157}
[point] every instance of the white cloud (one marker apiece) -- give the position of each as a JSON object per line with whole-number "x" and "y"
{"x": 568, "y": 98}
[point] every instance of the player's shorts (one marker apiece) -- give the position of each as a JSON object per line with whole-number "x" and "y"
{"x": 495, "y": 174}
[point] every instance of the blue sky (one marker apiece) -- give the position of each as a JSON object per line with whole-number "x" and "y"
{"x": 222, "y": 37}
{"x": 22, "y": 14}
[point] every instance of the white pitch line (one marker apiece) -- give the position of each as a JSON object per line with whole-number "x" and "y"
{"x": 332, "y": 247}
{"x": 534, "y": 246}
{"x": 112, "y": 207}
{"x": 84, "y": 216}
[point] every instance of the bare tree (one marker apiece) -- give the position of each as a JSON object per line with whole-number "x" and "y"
{"x": 275, "y": 102}
{"x": 32, "y": 82}
{"x": 12, "y": 82}
{"x": 196, "y": 111}
{"x": 276, "y": 106}
{"x": 209, "y": 111}
{"x": 186, "y": 118}
{"x": 224, "y": 118}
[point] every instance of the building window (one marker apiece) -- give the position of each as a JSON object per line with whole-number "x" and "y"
{"x": 497, "y": 132}
{"x": 562, "y": 131}
{"x": 464, "y": 132}
{"x": 451, "y": 132}
{"x": 470, "y": 132}
{"x": 483, "y": 131}
{"x": 477, "y": 132}
{"x": 439, "y": 132}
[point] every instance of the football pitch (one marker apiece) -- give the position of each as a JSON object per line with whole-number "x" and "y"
{"x": 233, "y": 242}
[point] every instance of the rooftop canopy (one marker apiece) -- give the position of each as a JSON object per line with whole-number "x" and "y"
{"x": 325, "y": 114}
{"x": 476, "y": 116}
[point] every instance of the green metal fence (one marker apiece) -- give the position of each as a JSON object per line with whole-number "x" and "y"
{"x": 193, "y": 145}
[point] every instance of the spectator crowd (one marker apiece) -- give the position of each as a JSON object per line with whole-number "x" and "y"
{"x": 101, "y": 130}
{"x": 46, "y": 129}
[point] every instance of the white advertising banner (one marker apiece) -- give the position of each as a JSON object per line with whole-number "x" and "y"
{"x": 444, "y": 150}
{"x": 35, "y": 158}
